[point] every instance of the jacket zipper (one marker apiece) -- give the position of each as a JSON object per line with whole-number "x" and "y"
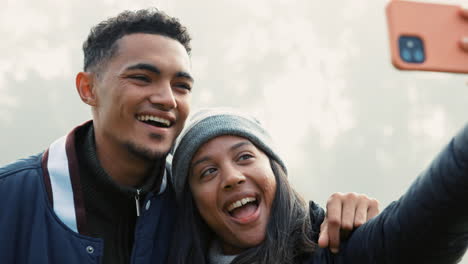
{"x": 137, "y": 202}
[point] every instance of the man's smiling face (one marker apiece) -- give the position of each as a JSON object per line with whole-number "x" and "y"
{"x": 143, "y": 95}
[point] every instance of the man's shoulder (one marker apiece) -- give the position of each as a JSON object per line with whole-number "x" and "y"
{"x": 21, "y": 167}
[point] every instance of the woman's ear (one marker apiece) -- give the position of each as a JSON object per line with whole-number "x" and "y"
{"x": 85, "y": 87}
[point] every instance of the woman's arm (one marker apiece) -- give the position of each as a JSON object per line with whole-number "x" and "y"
{"x": 428, "y": 224}
{"x": 345, "y": 212}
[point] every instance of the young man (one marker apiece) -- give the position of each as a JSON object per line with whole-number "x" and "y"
{"x": 103, "y": 193}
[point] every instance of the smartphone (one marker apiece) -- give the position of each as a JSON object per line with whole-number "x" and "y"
{"x": 426, "y": 36}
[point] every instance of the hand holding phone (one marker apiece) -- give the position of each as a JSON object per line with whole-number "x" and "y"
{"x": 464, "y": 40}
{"x": 426, "y": 36}
{"x": 464, "y": 13}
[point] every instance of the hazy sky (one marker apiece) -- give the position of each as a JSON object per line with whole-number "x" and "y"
{"x": 317, "y": 72}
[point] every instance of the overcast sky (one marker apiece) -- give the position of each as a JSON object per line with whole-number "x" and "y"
{"x": 317, "y": 72}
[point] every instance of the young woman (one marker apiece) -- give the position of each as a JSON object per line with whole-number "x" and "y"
{"x": 236, "y": 205}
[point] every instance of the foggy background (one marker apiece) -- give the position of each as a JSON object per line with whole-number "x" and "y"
{"x": 317, "y": 72}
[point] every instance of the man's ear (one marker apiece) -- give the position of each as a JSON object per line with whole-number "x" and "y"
{"x": 86, "y": 89}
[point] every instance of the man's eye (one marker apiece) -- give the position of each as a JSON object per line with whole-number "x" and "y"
{"x": 184, "y": 86}
{"x": 140, "y": 78}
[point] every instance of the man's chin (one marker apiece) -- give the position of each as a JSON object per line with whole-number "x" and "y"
{"x": 146, "y": 153}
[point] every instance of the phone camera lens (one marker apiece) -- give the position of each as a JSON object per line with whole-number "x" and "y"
{"x": 409, "y": 44}
{"x": 406, "y": 55}
{"x": 418, "y": 56}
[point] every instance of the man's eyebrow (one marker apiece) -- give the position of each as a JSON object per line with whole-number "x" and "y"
{"x": 144, "y": 66}
{"x": 154, "y": 69}
{"x": 185, "y": 75}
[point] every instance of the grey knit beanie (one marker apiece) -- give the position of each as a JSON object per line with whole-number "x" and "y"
{"x": 207, "y": 124}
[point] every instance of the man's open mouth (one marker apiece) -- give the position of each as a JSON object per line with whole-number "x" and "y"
{"x": 154, "y": 121}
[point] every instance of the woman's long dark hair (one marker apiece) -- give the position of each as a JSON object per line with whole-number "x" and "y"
{"x": 288, "y": 236}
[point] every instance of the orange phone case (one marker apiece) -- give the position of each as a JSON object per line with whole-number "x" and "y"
{"x": 440, "y": 27}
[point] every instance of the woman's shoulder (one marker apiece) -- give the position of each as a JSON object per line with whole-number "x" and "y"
{"x": 317, "y": 215}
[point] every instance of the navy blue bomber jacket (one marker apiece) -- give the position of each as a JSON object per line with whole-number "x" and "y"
{"x": 42, "y": 217}
{"x": 427, "y": 225}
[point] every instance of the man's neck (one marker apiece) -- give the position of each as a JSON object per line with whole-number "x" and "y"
{"x": 123, "y": 167}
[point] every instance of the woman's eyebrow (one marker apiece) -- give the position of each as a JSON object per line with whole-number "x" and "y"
{"x": 201, "y": 160}
{"x": 233, "y": 147}
{"x": 240, "y": 144}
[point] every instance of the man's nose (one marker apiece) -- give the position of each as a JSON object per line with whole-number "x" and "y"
{"x": 163, "y": 97}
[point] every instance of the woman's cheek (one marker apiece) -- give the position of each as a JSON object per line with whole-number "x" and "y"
{"x": 269, "y": 189}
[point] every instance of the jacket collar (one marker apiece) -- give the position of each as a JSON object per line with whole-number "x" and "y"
{"x": 62, "y": 180}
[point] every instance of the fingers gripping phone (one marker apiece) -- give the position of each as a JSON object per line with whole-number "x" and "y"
{"x": 426, "y": 36}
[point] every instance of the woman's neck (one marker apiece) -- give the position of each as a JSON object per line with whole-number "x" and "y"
{"x": 216, "y": 255}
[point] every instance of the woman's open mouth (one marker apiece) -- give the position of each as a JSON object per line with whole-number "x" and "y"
{"x": 244, "y": 210}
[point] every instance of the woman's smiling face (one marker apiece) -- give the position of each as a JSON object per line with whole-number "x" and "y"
{"x": 233, "y": 187}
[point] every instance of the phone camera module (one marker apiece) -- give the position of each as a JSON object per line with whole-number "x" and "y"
{"x": 409, "y": 44}
{"x": 411, "y": 49}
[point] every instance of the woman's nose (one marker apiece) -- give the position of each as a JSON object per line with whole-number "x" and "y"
{"x": 232, "y": 178}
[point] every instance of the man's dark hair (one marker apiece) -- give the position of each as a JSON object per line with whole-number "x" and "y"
{"x": 290, "y": 236}
{"x": 101, "y": 43}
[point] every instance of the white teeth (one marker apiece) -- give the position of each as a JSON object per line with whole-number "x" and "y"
{"x": 154, "y": 118}
{"x": 240, "y": 203}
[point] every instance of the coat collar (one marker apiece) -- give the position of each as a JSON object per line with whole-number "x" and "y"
{"x": 62, "y": 180}
{"x": 61, "y": 175}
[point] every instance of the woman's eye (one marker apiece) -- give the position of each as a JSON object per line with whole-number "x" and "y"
{"x": 207, "y": 172}
{"x": 245, "y": 157}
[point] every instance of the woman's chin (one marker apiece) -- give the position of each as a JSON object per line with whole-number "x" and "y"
{"x": 247, "y": 230}
{"x": 248, "y": 241}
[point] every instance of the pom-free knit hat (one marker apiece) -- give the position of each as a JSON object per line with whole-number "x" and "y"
{"x": 209, "y": 123}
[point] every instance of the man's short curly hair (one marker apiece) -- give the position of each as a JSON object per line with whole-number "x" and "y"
{"x": 101, "y": 42}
